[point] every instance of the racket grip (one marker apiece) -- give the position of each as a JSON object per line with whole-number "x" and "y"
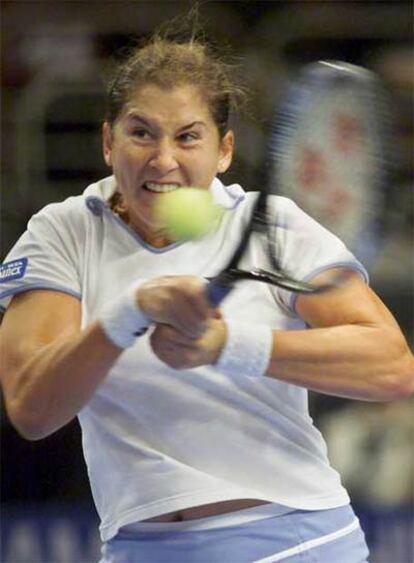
{"x": 217, "y": 292}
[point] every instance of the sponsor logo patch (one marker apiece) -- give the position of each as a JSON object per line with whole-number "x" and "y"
{"x": 13, "y": 270}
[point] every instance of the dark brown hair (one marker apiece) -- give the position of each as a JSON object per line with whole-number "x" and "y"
{"x": 168, "y": 63}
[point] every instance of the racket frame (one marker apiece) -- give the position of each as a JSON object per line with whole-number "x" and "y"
{"x": 321, "y": 74}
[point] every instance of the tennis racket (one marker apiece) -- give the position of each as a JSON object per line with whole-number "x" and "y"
{"x": 328, "y": 152}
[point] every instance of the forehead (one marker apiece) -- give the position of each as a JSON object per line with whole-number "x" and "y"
{"x": 179, "y": 103}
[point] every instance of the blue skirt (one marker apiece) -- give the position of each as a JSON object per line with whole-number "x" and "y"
{"x": 300, "y": 536}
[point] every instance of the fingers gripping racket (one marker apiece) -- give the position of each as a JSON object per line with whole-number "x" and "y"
{"x": 327, "y": 151}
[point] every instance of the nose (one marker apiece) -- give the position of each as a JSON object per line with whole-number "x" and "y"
{"x": 164, "y": 157}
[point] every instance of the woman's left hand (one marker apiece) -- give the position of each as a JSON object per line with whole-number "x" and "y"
{"x": 179, "y": 351}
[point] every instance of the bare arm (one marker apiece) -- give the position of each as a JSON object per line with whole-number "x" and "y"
{"x": 49, "y": 367}
{"x": 354, "y": 348}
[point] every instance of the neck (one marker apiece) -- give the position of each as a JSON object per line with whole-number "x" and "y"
{"x": 156, "y": 238}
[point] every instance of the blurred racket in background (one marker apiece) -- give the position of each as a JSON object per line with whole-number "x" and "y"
{"x": 328, "y": 151}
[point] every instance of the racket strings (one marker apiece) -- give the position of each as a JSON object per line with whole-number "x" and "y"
{"x": 332, "y": 161}
{"x": 327, "y": 153}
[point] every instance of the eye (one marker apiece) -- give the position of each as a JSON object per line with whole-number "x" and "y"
{"x": 141, "y": 133}
{"x": 188, "y": 137}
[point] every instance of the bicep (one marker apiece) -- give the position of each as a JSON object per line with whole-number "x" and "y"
{"x": 35, "y": 319}
{"x": 351, "y": 303}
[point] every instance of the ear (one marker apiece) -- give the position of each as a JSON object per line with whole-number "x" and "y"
{"x": 226, "y": 152}
{"x": 107, "y": 143}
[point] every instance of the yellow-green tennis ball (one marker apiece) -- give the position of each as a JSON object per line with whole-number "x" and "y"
{"x": 187, "y": 213}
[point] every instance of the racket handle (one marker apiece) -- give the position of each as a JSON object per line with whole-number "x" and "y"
{"x": 216, "y": 293}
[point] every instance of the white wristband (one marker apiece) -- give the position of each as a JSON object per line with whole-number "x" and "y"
{"x": 122, "y": 319}
{"x": 247, "y": 351}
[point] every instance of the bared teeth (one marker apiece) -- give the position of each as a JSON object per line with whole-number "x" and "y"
{"x": 160, "y": 188}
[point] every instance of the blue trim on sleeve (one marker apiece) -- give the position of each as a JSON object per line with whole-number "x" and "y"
{"x": 355, "y": 266}
{"x": 16, "y": 290}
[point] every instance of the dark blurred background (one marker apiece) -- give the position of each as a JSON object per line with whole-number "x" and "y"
{"x": 54, "y": 56}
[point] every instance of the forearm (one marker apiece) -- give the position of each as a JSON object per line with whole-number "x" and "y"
{"x": 359, "y": 362}
{"x": 51, "y": 369}
{"x": 58, "y": 380}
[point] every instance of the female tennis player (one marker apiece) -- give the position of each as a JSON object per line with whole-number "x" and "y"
{"x": 195, "y": 422}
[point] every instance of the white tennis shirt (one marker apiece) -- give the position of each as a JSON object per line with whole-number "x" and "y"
{"x": 157, "y": 439}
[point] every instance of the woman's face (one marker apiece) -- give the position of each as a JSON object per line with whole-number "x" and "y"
{"x": 162, "y": 140}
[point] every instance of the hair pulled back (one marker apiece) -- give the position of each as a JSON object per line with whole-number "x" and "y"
{"x": 168, "y": 63}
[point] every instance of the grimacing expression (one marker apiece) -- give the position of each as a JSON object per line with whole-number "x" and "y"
{"x": 163, "y": 139}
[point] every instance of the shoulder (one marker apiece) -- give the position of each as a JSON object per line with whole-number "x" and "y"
{"x": 294, "y": 221}
{"x": 65, "y": 222}
{"x": 71, "y": 208}
{"x": 75, "y": 212}
{"x": 283, "y": 205}
{"x": 284, "y": 208}
{"x": 282, "y": 211}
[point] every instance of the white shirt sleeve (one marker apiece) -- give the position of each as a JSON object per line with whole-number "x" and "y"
{"x": 306, "y": 248}
{"x": 47, "y": 256}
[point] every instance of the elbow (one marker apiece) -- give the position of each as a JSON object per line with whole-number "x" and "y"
{"x": 403, "y": 387}
{"x": 30, "y": 431}
{"x": 29, "y": 414}
{"x": 28, "y": 424}
{"x": 399, "y": 383}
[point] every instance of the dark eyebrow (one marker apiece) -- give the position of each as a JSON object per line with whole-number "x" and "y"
{"x": 193, "y": 124}
{"x": 141, "y": 119}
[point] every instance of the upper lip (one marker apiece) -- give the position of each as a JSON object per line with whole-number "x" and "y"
{"x": 162, "y": 183}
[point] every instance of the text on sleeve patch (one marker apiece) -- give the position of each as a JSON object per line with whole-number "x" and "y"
{"x": 13, "y": 270}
